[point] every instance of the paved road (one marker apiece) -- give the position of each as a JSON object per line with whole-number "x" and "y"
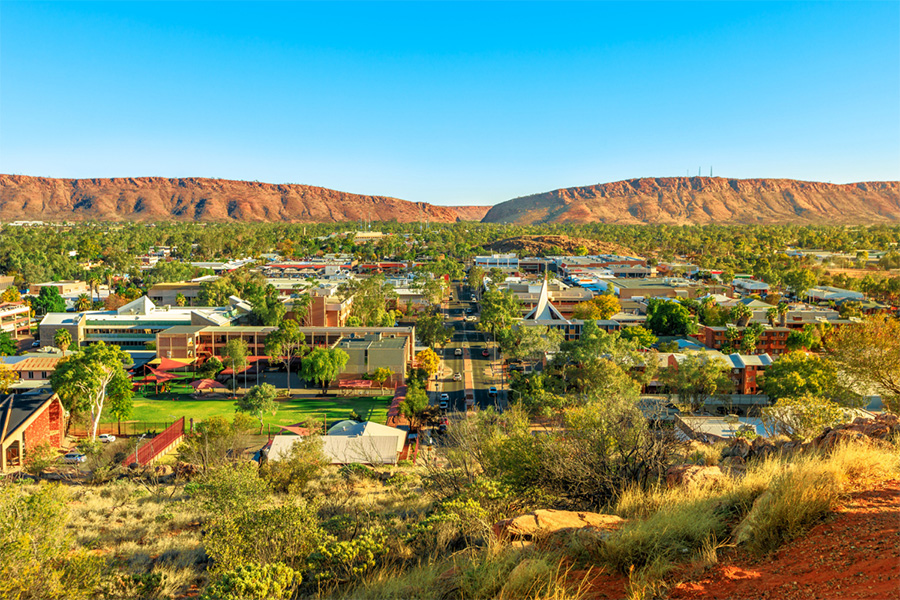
{"x": 483, "y": 372}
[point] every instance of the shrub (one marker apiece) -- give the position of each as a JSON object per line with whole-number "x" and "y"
{"x": 293, "y": 472}
{"x": 287, "y": 533}
{"x": 230, "y": 489}
{"x": 274, "y": 581}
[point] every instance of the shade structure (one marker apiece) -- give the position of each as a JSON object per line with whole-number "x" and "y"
{"x": 169, "y": 364}
{"x": 156, "y": 378}
{"x": 207, "y": 384}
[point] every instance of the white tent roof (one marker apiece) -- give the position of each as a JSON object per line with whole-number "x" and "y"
{"x": 544, "y": 311}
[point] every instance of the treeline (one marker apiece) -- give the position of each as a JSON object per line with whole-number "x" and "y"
{"x": 55, "y": 252}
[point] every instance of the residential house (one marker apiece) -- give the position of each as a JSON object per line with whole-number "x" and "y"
{"x": 28, "y": 420}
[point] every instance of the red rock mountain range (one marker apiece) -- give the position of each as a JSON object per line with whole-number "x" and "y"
{"x": 674, "y": 200}
{"x": 198, "y": 199}
{"x": 699, "y": 200}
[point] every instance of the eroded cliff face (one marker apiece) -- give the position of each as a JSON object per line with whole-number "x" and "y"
{"x": 699, "y": 200}
{"x": 197, "y": 199}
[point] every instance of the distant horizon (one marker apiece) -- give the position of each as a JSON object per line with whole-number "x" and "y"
{"x": 458, "y": 204}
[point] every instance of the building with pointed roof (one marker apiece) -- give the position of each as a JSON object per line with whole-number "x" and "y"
{"x": 28, "y": 420}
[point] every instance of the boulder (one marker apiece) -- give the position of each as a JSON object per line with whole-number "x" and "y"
{"x": 689, "y": 475}
{"x": 834, "y": 437}
{"x": 761, "y": 448}
{"x": 546, "y": 521}
{"x": 737, "y": 447}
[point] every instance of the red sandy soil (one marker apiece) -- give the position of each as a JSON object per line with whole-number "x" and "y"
{"x": 855, "y": 554}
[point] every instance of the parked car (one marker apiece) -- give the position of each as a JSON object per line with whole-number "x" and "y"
{"x": 457, "y": 377}
{"x": 492, "y": 391}
{"x": 457, "y": 352}
{"x": 106, "y": 438}
{"x": 485, "y": 352}
{"x": 35, "y": 344}
{"x": 74, "y": 458}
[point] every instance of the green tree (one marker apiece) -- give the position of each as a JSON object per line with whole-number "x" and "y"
{"x": 235, "y": 355}
{"x": 523, "y": 342}
{"x": 800, "y": 281}
{"x": 83, "y": 303}
{"x": 696, "y": 379}
{"x": 802, "y": 418}
{"x": 258, "y": 401}
{"x": 180, "y": 299}
{"x": 414, "y": 406}
{"x": 370, "y": 298}
{"x": 797, "y": 374}
{"x": 62, "y": 339}
{"x": 48, "y": 301}
{"x": 381, "y": 375}
{"x": 868, "y": 354}
{"x": 666, "y": 318}
{"x": 640, "y": 335}
{"x": 475, "y": 277}
{"x": 499, "y": 310}
{"x": 431, "y": 330}
{"x": 7, "y": 344}
{"x": 87, "y": 379}
{"x": 210, "y": 368}
{"x": 324, "y": 365}
{"x": 287, "y": 340}
{"x": 808, "y": 338}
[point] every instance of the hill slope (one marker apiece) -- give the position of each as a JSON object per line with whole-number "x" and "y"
{"x": 699, "y": 200}
{"x": 197, "y": 199}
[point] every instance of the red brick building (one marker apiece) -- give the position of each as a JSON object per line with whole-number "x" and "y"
{"x": 772, "y": 340}
{"x": 27, "y": 421}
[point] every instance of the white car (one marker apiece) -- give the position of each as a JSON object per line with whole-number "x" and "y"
{"x": 106, "y": 438}
{"x": 444, "y": 404}
{"x": 457, "y": 377}
{"x": 457, "y": 352}
{"x": 74, "y": 458}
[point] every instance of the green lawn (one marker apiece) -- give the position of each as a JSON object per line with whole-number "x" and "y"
{"x": 151, "y": 407}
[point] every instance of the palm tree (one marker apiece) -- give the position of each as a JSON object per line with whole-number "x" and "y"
{"x": 62, "y": 339}
{"x": 771, "y": 314}
{"x": 83, "y": 303}
{"x": 741, "y": 314}
{"x": 94, "y": 284}
{"x": 782, "y": 310}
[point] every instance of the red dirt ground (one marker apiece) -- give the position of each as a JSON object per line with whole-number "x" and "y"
{"x": 855, "y": 554}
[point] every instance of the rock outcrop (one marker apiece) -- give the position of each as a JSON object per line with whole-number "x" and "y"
{"x": 884, "y": 426}
{"x": 197, "y": 199}
{"x": 692, "y": 475}
{"x": 700, "y": 200}
{"x": 545, "y": 522}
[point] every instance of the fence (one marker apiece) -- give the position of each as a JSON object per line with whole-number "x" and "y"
{"x": 124, "y": 428}
{"x": 150, "y": 449}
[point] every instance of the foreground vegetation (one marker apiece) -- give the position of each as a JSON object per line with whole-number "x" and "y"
{"x": 297, "y": 528}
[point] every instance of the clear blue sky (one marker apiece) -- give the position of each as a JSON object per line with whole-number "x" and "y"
{"x": 450, "y": 103}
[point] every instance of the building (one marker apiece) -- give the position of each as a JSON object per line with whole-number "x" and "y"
{"x": 374, "y": 351}
{"x": 659, "y": 287}
{"x": 746, "y": 369}
{"x": 826, "y": 293}
{"x": 137, "y": 322}
{"x": 326, "y": 308}
{"x": 506, "y": 262}
{"x": 66, "y": 288}
{"x": 28, "y": 420}
{"x": 562, "y": 297}
{"x": 166, "y": 294}
{"x": 203, "y": 341}
{"x": 545, "y": 314}
{"x": 772, "y": 340}
{"x": 15, "y": 319}
{"x": 6, "y": 281}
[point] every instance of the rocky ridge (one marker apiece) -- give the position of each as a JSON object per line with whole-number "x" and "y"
{"x": 701, "y": 200}
{"x": 198, "y": 199}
